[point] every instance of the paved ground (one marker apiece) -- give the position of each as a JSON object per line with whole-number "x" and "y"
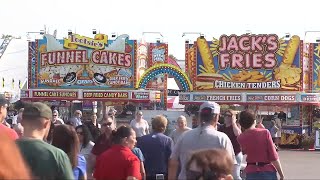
{"x": 300, "y": 165}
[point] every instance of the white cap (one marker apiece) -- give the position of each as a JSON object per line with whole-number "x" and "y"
{"x": 215, "y": 108}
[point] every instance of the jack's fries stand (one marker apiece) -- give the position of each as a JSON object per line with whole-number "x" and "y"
{"x": 84, "y": 73}
{"x": 264, "y": 73}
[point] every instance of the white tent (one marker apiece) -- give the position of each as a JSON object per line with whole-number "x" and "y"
{"x": 173, "y": 101}
{"x": 14, "y": 66}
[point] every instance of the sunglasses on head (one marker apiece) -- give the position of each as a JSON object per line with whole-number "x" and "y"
{"x": 107, "y": 124}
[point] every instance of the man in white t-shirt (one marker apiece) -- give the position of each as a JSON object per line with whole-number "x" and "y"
{"x": 139, "y": 125}
{"x": 180, "y": 129}
{"x": 205, "y": 136}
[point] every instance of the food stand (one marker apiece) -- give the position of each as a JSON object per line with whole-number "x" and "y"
{"x": 78, "y": 71}
{"x": 261, "y": 72}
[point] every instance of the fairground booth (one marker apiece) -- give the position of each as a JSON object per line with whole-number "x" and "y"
{"x": 90, "y": 74}
{"x": 270, "y": 75}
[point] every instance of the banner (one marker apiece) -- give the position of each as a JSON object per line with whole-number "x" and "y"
{"x": 157, "y": 53}
{"x": 105, "y": 95}
{"x": 140, "y": 95}
{"x": 316, "y": 67}
{"x": 272, "y": 98}
{"x": 54, "y": 94}
{"x": 248, "y": 62}
{"x": 218, "y": 98}
{"x": 82, "y": 62}
{"x": 307, "y": 70}
{"x": 290, "y": 136}
{"x": 116, "y": 96}
{"x": 309, "y": 98}
{"x": 142, "y": 57}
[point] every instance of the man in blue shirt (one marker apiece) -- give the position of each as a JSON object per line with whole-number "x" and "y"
{"x": 156, "y": 148}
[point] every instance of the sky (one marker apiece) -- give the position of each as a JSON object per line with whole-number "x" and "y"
{"x": 169, "y": 17}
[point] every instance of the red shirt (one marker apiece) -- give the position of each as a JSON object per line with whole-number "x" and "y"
{"x": 117, "y": 163}
{"x": 10, "y": 132}
{"x": 229, "y": 132}
{"x": 101, "y": 145}
{"x": 257, "y": 144}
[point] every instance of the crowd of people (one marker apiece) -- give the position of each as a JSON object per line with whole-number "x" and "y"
{"x": 49, "y": 148}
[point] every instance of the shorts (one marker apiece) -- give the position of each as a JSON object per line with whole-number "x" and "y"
{"x": 266, "y": 175}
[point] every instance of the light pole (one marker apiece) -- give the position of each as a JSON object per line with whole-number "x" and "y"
{"x": 191, "y": 33}
{"x": 143, "y": 33}
{"x": 307, "y": 32}
{"x": 41, "y": 32}
{"x": 186, "y": 33}
{"x": 157, "y": 39}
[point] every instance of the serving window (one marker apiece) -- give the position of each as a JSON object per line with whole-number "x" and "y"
{"x": 288, "y": 114}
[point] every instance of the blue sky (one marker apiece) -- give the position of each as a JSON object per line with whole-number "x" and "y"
{"x": 170, "y": 17}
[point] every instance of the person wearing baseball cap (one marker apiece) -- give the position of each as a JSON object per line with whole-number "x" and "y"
{"x": 4, "y": 103}
{"x": 44, "y": 160}
{"x": 205, "y": 136}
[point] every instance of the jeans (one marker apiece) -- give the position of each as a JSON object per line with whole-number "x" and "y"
{"x": 237, "y": 167}
{"x": 262, "y": 176}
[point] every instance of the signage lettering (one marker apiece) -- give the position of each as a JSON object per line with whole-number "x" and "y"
{"x": 158, "y": 54}
{"x": 224, "y": 98}
{"x": 309, "y": 98}
{"x": 58, "y": 94}
{"x": 111, "y": 95}
{"x": 140, "y": 95}
{"x": 287, "y": 131}
{"x": 247, "y": 85}
{"x": 75, "y": 39}
{"x": 255, "y": 62}
{"x": 217, "y": 98}
{"x": 184, "y": 97}
{"x": 111, "y": 58}
{"x": 247, "y": 52}
{"x": 270, "y": 98}
{"x": 80, "y": 57}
